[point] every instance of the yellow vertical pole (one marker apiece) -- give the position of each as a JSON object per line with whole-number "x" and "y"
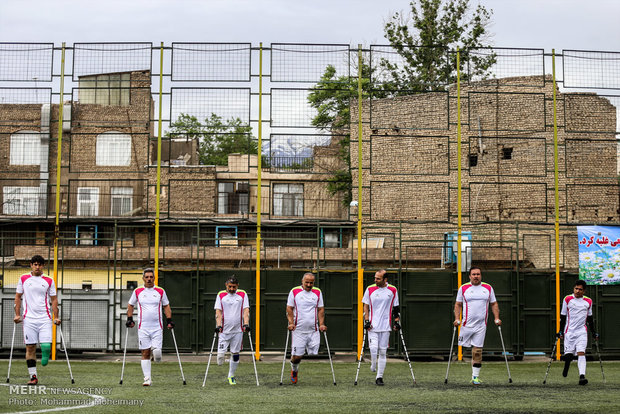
{"x": 360, "y": 270}
{"x": 58, "y": 169}
{"x": 258, "y": 198}
{"x": 158, "y": 192}
{"x": 459, "y": 204}
{"x": 557, "y": 205}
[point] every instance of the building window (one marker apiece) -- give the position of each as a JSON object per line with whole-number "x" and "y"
{"x": 122, "y": 201}
{"x": 107, "y": 89}
{"x": 88, "y": 201}
{"x": 233, "y": 197}
{"x": 506, "y": 153}
{"x": 113, "y": 149}
{"x": 473, "y": 160}
{"x": 288, "y": 199}
{"x": 25, "y": 148}
{"x": 21, "y": 201}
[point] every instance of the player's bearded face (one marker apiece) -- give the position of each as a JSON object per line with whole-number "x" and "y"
{"x": 231, "y": 287}
{"x": 149, "y": 280}
{"x": 308, "y": 283}
{"x": 37, "y": 268}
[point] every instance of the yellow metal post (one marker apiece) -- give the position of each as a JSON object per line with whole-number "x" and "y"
{"x": 557, "y": 205}
{"x": 360, "y": 270}
{"x": 158, "y": 192}
{"x": 459, "y": 203}
{"x": 258, "y": 199}
{"x": 58, "y": 169}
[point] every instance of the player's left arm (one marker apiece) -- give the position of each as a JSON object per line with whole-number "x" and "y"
{"x": 168, "y": 313}
{"x": 495, "y": 310}
{"x": 321, "y": 314}
{"x": 55, "y": 314}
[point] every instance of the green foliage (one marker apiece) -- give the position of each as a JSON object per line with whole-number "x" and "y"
{"x": 427, "y": 39}
{"x": 216, "y": 138}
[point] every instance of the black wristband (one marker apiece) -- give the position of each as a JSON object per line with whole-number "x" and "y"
{"x": 130, "y": 319}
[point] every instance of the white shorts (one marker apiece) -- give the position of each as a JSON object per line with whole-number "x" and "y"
{"x": 472, "y": 336}
{"x": 37, "y": 331}
{"x": 150, "y": 338}
{"x": 574, "y": 343}
{"x": 378, "y": 340}
{"x": 305, "y": 342}
{"x": 233, "y": 340}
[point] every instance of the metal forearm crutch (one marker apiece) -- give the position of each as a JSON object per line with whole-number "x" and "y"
{"x": 555, "y": 344}
{"x": 402, "y": 338}
{"x": 330, "y": 357}
{"x": 124, "y": 355}
{"x": 64, "y": 345}
{"x": 450, "y": 356}
{"x": 253, "y": 357}
{"x": 8, "y": 374}
{"x": 598, "y": 351}
{"x": 504, "y": 349}
{"x": 209, "y": 362}
{"x": 178, "y": 357}
{"x": 288, "y": 333}
{"x": 359, "y": 362}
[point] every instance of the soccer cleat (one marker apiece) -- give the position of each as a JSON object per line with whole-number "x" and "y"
{"x": 147, "y": 382}
{"x": 582, "y": 380}
{"x": 293, "y": 377}
{"x": 33, "y": 380}
{"x": 232, "y": 381}
{"x": 476, "y": 381}
{"x": 379, "y": 381}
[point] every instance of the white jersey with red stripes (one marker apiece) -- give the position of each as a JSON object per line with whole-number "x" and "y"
{"x": 305, "y": 308}
{"x": 476, "y": 300}
{"x": 381, "y": 300}
{"x": 149, "y": 302}
{"x": 232, "y": 306}
{"x": 577, "y": 311}
{"x": 36, "y": 292}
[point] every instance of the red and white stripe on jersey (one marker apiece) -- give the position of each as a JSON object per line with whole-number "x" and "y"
{"x": 381, "y": 301}
{"x": 149, "y": 301}
{"x": 36, "y": 291}
{"x": 305, "y": 305}
{"x": 232, "y": 304}
{"x": 577, "y": 311}
{"x": 476, "y": 300}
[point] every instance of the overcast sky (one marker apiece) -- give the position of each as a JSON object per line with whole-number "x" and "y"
{"x": 559, "y": 24}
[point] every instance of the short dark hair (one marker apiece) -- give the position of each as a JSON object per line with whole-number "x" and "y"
{"x": 474, "y": 267}
{"x": 148, "y": 270}
{"x": 37, "y": 259}
{"x": 581, "y": 283}
{"x": 232, "y": 280}
{"x": 385, "y": 273}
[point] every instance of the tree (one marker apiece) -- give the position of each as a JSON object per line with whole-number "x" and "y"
{"x": 216, "y": 138}
{"x": 426, "y": 40}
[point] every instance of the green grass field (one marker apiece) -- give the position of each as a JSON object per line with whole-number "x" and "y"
{"x": 315, "y": 391}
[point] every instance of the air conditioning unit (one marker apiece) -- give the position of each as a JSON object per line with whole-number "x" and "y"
{"x": 450, "y": 248}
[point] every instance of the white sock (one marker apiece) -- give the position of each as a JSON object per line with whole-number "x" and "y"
{"x": 233, "y": 367}
{"x": 32, "y": 371}
{"x": 381, "y": 362}
{"x": 475, "y": 371}
{"x": 295, "y": 367}
{"x": 581, "y": 364}
{"x": 373, "y": 360}
{"x": 146, "y": 368}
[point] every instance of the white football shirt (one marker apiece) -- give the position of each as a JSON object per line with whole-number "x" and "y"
{"x": 305, "y": 308}
{"x": 381, "y": 300}
{"x": 149, "y": 301}
{"x": 36, "y": 292}
{"x": 475, "y": 301}
{"x": 232, "y": 306}
{"x": 577, "y": 311}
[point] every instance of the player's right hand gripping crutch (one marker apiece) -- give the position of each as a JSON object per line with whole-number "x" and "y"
{"x": 359, "y": 361}
{"x": 555, "y": 344}
{"x": 402, "y": 338}
{"x": 450, "y": 355}
{"x": 8, "y": 374}
{"x": 288, "y": 333}
{"x": 210, "y": 354}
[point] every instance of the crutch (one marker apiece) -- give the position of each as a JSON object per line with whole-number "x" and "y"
{"x": 178, "y": 357}
{"x": 64, "y": 345}
{"x": 359, "y": 362}
{"x": 330, "y": 356}
{"x": 505, "y": 356}
{"x": 8, "y": 374}
{"x": 288, "y": 333}
{"x": 402, "y": 338}
{"x": 209, "y": 362}
{"x": 253, "y": 357}
{"x": 555, "y": 344}
{"x": 124, "y": 355}
{"x": 450, "y": 356}
{"x": 598, "y": 351}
